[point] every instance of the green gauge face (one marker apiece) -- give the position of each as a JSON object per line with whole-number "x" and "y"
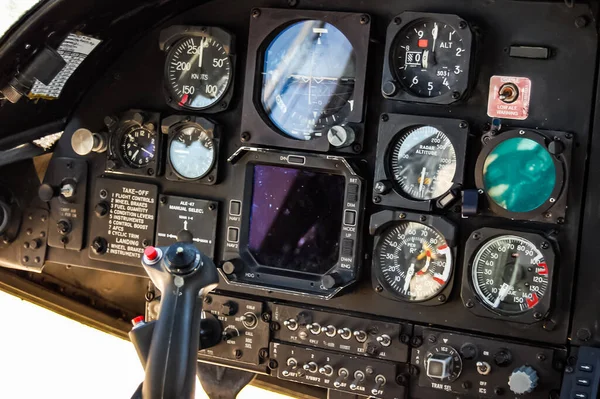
{"x": 519, "y": 175}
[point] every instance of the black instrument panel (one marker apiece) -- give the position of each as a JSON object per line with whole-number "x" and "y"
{"x": 414, "y": 153}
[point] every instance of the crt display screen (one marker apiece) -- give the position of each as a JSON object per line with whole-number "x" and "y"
{"x": 296, "y": 218}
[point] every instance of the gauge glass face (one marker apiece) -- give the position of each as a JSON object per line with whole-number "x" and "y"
{"x": 308, "y": 82}
{"x": 510, "y": 274}
{"x": 423, "y": 163}
{"x": 519, "y": 175}
{"x": 430, "y": 58}
{"x": 192, "y": 153}
{"x": 138, "y": 147}
{"x": 198, "y": 72}
{"x": 415, "y": 261}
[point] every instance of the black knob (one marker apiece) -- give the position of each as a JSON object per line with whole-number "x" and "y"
{"x": 389, "y": 88}
{"x": 63, "y": 227}
{"x": 330, "y": 281}
{"x": 229, "y": 308}
{"x": 46, "y": 192}
{"x": 181, "y": 259}
{"x": 99, "y": 245}
{"x": 503, "y": 358}
{"x": 101, "y": 209}
{"x": 468, "y": 351}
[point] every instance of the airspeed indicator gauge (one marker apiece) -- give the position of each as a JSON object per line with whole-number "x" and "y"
{"x": 428, "y": 58}
{"x": 198, "y": 67}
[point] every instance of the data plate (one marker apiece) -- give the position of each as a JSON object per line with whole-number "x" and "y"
{"x": 509, "y": 97}
{"x": 187, "y": 219}
{"x": 120, "y": 235}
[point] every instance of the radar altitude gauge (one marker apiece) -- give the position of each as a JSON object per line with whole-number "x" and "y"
{"x": 420, "y": 161}
{"x": 427, "y": 58}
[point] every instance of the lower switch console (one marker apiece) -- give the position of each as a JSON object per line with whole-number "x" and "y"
{"x": 338, "y": 332}
{"x": 245, "y": 336}
{"x": 356, "y": 374}
{"x": 474, "y": 366}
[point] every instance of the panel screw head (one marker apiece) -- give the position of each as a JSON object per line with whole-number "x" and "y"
{"x": 462, "y": 25}
{"x": 149, "y": 296}
{"x": 422, "y": 218}
{"x": 163, "y": 200}
{"x": 442, "y": 298}
{"x": 255, "y": 13}
{"x": 377, "y": 199}
{"x": 402, "y": 215}
{"x": 237, "y": 354}
{"x": 385, "y": 118}
{"x": 537, "y": 315}
{"x": 476, "y": 236}
{"x": 583, "y": 334}
{"x": 463, "y": 125}
{"x": 364, "y": 19}
{"x": 581, "y": 22}
{"x": 541, "y": 357}
{"x": 545, "y": 245}
{"x": 263, "y": 353}
{"x": 432, "y": 339}
{"x": 273, "y": 364}
{"x": 378, "y": 288}
{"x": 469, "y": 303}
{"x": 397, "y": 21}
{"x": 266, "y": 317}
{"x": 211, "y": 207}
{"x": 415, "y": 342}
{"x": 455, "y": 95}
{"x": 245, "y": 136}
{"x": 274, "y": 326}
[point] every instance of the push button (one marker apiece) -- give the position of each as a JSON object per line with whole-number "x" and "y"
{"x": 588, "y": 368}
{"x": 584, "y": 382}
{"x": 235, "y": 208}
{"x": 233, "y": 234}
{"x": 352, "y": 192}
{"x": 350, "y": 218}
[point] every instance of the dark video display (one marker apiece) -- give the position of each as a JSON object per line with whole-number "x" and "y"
{"x": 296, "y": 218}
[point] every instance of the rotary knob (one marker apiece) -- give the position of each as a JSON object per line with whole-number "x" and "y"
{"x": 523, "y": 380}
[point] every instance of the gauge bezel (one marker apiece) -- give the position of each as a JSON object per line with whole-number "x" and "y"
{"x": 117, "y": 128}
{"x": 383, "y": 220}
{"x": 468, "y": 293}
{"x": 171, "y": 125}
{"x": 391, "y": 128}
{"x": 406, "y": 19}
{"x": 265, "y": 25}
{"x": 553, "y": 210}
{"x": 168, "y": 40}
{"x": 249, "y": 272}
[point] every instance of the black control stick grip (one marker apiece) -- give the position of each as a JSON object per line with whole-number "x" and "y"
{"x": 182, "y": 273}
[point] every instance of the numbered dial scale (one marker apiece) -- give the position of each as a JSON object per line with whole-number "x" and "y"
{"x": 412, "y": 261}
{"x": 138, "y": 146}
{"x": 193, "y": 149}
{"x": 510, "y": 272}
{"x": 198, "y": 67}
{"x": 423, "y": 163}
{"x": 428, "y": 58}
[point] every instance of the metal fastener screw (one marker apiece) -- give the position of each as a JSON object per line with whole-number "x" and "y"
{"x": 402, "y": 215}
{"x": 463, "y": 125}
{"x": 266, "y": 317}
{"x": 541, "y": 357}
{"x": 103, "y": 193}
{"x": 397, "y": 21}
{"x": 537, "y": 315}
{"x": 237, "y": 354}
{"x": 149, "y": 296}
{"x": 377, "y": 199}
{"x": 211, "y": 206}
{"x": 385, "y": 117}
{"x": 378, "y": 288}
{"x": 245, "y": 136}
{"x": 462, "y": 25}
{"x": 442, "y": 298}
{"x": 364, "y": 19}
{"x": 469, "y": 303}
{"x": 422, "y": 218}
{"x": 432, "y": 339}
{"x": 163, "y": 200}
{"x": 545, "y": 245}
{"x": 476, "y": 236}
{"x": 455, "y": 95}
{"x": 255, "y": 13}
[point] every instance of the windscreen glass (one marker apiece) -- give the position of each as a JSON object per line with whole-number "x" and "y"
{"x": 296, "y": 218}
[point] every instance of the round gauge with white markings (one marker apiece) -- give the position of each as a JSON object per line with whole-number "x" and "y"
{"x": 198, "y": 72}
{"x": 138, "y": 146}
{"x": 510, "y": 275}
{"x": 414, "y": 261}
{"x": 429, "y": 58}
{"x": 309, "y": 73}
{"x": 423, "y": 163}
{"x": 191, "y": 152}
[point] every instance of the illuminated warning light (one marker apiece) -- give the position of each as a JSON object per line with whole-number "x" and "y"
{"x": 531, "y": 302}
{"x": 442, "y": 247}
{"x": 542, "y": 269}
{"x": 423, "y": 43}
{"x": 184, "y": 100}
{"x": 439, "y": 280}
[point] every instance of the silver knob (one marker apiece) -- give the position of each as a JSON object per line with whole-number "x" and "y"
{"x": 314, "y": 328}
{"x": 384, "y": 340}
{"x": 84, "y": 141}
{"x": 326, "y": 370}
{"x": 345, "y": 333}
{"x": 341, "y": 136}
{"x": 329, "y": 330}
{"x": 379, "y": 382}
{"x": 311, "y": 367}
{"x": 291, "y": 324}
{"x": 360, "y": 336}
{"x": 359, "y": 377}
{"x": 342, "y": 376}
